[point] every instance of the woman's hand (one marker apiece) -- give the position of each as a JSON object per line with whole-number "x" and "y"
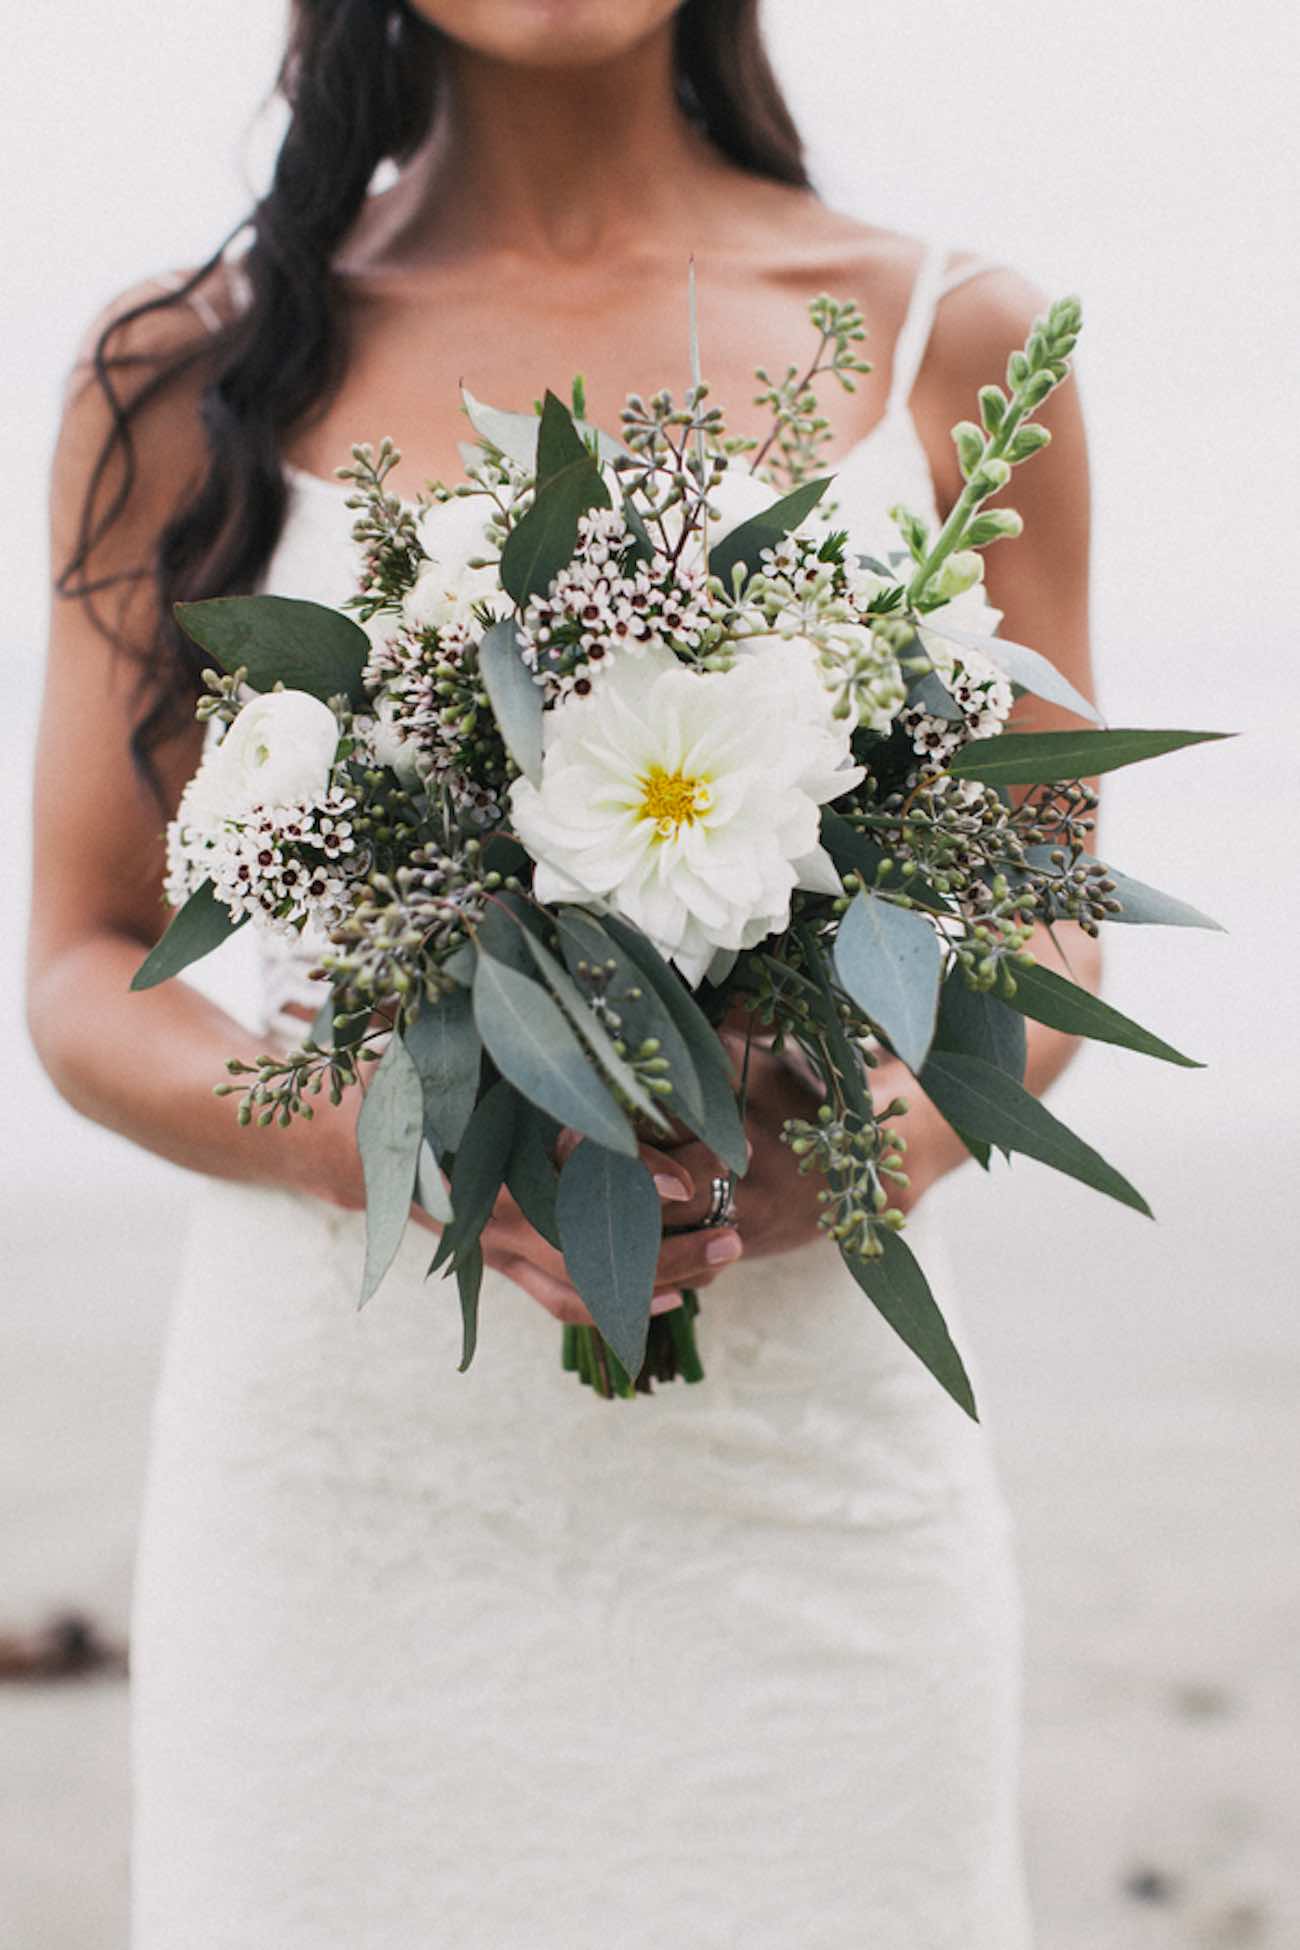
{"x": 511, "y": 1245}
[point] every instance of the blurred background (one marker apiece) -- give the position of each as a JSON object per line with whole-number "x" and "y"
{"x": 1142, "y": 1379}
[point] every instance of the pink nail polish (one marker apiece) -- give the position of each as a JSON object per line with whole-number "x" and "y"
{"x": 721, "y": 1251}
{"x": 669, "y": 1187}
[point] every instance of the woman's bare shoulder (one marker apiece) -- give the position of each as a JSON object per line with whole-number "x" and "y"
{"x": 141, "y": 355}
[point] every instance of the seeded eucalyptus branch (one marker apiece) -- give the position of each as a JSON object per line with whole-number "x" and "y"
{"x": 799, "y": 433}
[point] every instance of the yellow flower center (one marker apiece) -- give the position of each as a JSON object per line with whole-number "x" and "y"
{"x": 672, "y": 800}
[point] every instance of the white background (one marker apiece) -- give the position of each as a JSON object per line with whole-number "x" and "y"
{"x": 1142, "y": 153}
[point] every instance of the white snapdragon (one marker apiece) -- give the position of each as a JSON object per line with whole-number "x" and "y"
{"x": 689, "y": 801}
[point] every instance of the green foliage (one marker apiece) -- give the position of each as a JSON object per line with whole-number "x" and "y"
{"x": 515, "y": 699}
{"x": 282, "y": 640}
{"x": 390, "y": 1127}
{"x": 1025, "y": 667}
{"x": 718, "y": 1120}
{"x": 888, "y": 959}
{"x": 1041, "y": 757}
{"x": 533, "y": 1046}
{"x": 445, "y": 1048}
{"x": 898, "y": 1289}
{"x": 975, "y": 1023}
{"x": 542, "y": 541}
{"x": 983, "y": 1101}
{"x": 531, "y": 1177}
{"x": 744, "y": 546}
{"x": 469, "y": 1283}
{"x": 479, "y": 1170}
{"x": 193, "y": 931}
{"x": 610, "y": 1224}
{"x": 1048, "y": 997}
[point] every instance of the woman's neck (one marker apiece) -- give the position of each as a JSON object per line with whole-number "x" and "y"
{"x": 552, "y": 163}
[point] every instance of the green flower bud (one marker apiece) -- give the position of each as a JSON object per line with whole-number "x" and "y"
{"x": 969, "y": 442}
{"x": 993, "y": 526}
{"x": 1026, "y": 441}
{"x": 993, "y": 406}
{"x": 990, "y": 476}
{"x": 958, "y": 574}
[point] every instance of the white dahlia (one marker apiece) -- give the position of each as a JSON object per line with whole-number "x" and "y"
{"x": 689, "y": 800}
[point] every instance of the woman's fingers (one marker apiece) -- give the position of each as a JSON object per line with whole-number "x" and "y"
{"x": 696, "y": 1257}
{"x": 556, "y": 1295}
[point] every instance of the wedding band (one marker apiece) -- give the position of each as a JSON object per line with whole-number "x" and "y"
{"x": 722, "y": 1206}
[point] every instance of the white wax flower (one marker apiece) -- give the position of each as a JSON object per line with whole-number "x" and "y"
{"x": 453, "y": 534}
{"x": 688, "y": 800}
{"x": 279, "y": 751}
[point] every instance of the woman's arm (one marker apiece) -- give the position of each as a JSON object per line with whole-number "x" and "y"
{"x": 145, "y": 1064}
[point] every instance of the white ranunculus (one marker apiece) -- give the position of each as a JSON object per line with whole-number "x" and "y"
{"x": 278, "y": 752}
{"x": 453, "y": 534}
{"x": 688, "y": 800}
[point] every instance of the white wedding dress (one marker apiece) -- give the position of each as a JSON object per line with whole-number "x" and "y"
{"x": 432, "y": 1661}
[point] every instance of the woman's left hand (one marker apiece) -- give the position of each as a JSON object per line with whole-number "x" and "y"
{"x": 777, "y": 1205}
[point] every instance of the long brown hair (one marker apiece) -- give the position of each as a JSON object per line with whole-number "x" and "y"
{"x": 361, "y": 82}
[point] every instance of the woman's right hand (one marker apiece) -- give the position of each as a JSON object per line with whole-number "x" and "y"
{"x": 511, "y": 1245}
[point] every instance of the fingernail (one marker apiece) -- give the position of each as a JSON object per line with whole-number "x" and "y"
{"x": 720, "y": 1251}
{"x": 663, "y": 1303}
{"x": 669, "y": 1187}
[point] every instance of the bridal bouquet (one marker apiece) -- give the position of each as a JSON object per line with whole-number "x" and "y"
{"x": 623, "y": 735}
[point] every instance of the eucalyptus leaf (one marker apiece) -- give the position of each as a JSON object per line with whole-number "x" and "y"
{"x": 975, "y": 1023}
{"x": 746, "y": 542}
{"x": 459, "y": 964}
{"x": 430, "y": 1189}
{"x": 281, "y": 639}
{"x": 718, "y": 1121}
{"x": 390, "y": 1126}
{"x": 469, "y": 1283}
{"x": 1043, "y": 757}
{"x": 855, "y": 852}
{"x": 515, "y": 699}
{"x": 899, "y": 1290}
{"x": 445, "y": 1048}
{"x": 194, "y": 930}
{"x": 611, "y": 1224}
{"x": 888, "y": 960}
{"x": 515, "y": 434}
{"x": 985, "y": 1103}
{"x": 479, "y": 1169}
{"x": 1061, "y": 1004}
{"x": 1141, "y": 905}
{"x": 533, "y": 1046}
{"x": 929, "y": 693}
{"x": 1028, "y": 668}
{"x": 531, "y": 1177}
{"x": 642, "y": 1014}
{"x": 593, "y": 1032}
{"x": 542, "y": 541}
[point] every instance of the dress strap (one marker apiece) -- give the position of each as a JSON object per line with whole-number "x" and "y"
{"x": 200, "y": 303}
{"x": 932, "y": 284}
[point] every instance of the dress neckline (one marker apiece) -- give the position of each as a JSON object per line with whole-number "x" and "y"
{"x": 895, "y": 410}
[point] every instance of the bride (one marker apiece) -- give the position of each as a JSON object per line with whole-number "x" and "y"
{"x": 423, "y": 1658}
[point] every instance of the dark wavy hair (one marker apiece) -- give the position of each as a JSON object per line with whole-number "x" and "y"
{"x": 361, "y": 82}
